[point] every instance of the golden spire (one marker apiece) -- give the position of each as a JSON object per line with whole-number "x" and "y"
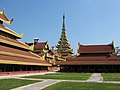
{"x": 63, "y": 21}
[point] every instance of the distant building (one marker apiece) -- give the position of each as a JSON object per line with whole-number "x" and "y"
{"x": 50, "y": 55}
{"x": 16, "y": 55}
{"x": 93, "y": 58}
{"x": 63, "y": 46}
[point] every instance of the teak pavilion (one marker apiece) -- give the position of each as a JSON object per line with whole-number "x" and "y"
{"x": 15, "y": 55}
{"x": 93, "y": 58}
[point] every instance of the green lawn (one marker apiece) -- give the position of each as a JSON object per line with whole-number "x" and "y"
{"x": 63, "y": 76}
{"x": 83, "y": 86}
{"x": 111, "y": 76}
{"x": 7, "y": 84}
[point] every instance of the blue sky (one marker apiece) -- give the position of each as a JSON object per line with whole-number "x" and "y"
{"x": 87, "y": 21}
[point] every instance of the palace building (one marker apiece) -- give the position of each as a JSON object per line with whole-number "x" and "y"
{"x": 90, "y": 58}
{"x": 50, "y": 55}
{"x": 93, "y": 58}
{"x": 14, "y": 54}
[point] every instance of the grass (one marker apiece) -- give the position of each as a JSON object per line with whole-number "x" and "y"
{"x": 7, "y": 84}
{"x": 83, "y": 86}
{"x": 111, "y": 76}
{"x": 63, "y": 76}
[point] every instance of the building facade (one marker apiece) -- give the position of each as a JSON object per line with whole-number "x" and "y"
{"x": 50, "y": 55}
{"x": 14, "y": 54}
{"x": 93, "y": 58}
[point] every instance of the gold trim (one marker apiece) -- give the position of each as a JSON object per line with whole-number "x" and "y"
{"x": 32, "y": 47}
{"x": 23, "y": 63}
{"x": 14, "y": 33}
{"x": 18, "y": 55}
{"x": 14, "y": 44}
{"x": 2, "y": 12}
{"x": 37, "y": 55}
{"x": 29, "y": 47}
{"x": 21, "y": 35}
{"x": 8, "y": 21}
{"x": 37, "y": 50}
{"x": 47, "y": 45}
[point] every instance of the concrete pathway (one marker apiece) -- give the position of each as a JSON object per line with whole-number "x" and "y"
{"x": 95, "y": 77}
{"x": 22, "y": 75}
{"x": 38, "y": 85}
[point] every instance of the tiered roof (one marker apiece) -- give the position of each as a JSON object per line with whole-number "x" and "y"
{"x": 13, "y": 51}
{"x": 4, "y": 29}
{"x": 4, "y": 18}
{"x": 42, "y": 49}
{"x": 96, "y": 48}
{"x": 63, "y": 46}
{"x": 93, "y": 59}
{"x": 14, "y": 42}
{"x": 10, "y": 55}
{"x": 41, "y": 46}
{"x": 57, "y": 55}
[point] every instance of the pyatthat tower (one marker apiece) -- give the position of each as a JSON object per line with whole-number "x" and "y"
{"x": 63, "y": 47}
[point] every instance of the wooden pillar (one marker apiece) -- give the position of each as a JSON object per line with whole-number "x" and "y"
{"x": 113, "y": 68}
{"x": 20, "y": 68}
{"x": 13, "y": 68}
{"x": 5, "y": 68}
{"x": 31, "y": 68}
{"x": 26, "y": 68}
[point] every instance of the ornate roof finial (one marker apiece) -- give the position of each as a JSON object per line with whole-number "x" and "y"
{"x": 4, "y": 17}
{"x": 63, "y": 21}
{"x": 3, "y": 12}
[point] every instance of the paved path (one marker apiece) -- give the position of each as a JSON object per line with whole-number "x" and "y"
{"x": 22, "y": 75}
{"x": 38, "y": 85}
{"x": 95, "y": 77}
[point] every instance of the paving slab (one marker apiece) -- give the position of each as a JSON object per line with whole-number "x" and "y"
{"x": 95, "y": 77}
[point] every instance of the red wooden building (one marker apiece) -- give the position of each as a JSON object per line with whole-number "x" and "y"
{"x": 16, "y": 55}
{"x": 93, "y": 58}
{"x": 50, "y": 55}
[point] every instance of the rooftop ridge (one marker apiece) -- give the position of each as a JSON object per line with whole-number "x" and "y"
{"x": 4, "y": 18}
